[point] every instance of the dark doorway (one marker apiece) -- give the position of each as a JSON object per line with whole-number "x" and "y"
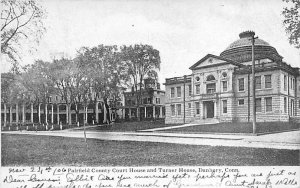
{"x": 210, "y": 109}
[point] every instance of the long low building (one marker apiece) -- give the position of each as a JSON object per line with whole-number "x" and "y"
{"x": 219, "y": 88}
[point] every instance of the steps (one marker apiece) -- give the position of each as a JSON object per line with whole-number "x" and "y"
{"x": 206, "y": 121}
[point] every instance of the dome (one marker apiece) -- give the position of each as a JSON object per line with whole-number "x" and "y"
{"x": 247, "y": 42}
{"x": 241, "y": 49}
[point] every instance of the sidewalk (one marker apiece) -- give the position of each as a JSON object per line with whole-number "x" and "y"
{"x": 286, "y": 140}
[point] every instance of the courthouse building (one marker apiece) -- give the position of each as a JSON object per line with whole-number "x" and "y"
{"x": 219, "y": 88}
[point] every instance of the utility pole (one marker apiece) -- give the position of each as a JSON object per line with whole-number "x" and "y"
{"x": 252, "y": 34}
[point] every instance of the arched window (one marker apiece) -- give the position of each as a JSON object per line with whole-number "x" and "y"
{"x": 210, "y": 78}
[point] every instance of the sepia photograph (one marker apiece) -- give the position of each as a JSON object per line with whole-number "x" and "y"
{"x": 129, "y": 83}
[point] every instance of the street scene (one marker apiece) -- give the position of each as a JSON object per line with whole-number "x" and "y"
{"x": 150, "y": 83}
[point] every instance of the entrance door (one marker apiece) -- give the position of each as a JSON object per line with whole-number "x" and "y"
{"x": 210, "y": 109}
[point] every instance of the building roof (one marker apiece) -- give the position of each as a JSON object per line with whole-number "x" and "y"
{"x": 241, "y": 49}
{"x": 228, "y": 61}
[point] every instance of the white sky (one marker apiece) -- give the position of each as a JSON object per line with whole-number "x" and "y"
{"x": 183, "y": 31}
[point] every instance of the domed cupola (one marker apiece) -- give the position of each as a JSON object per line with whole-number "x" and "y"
{"x": 240, "y": 50}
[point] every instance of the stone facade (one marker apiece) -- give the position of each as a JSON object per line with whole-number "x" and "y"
{"x": 220, "y": 88}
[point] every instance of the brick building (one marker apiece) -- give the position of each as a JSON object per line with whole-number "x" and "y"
{"x": 219, "y": 88}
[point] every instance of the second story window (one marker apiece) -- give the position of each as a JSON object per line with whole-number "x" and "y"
{"x": 284, "y": 83}
{"x": 190, "y": 90}
{"x": 241, "y": 84}
{"x": 157, "y": 100}
{"x": 198, "y": 89}
{"x": 224, "y": 83}
{"x": 178, "y": 91}
{"x": 268, "y": 81}
{"x": 257, "y": 82}
{"x": 172, "y": 92}
{"x": 210, "y": 88}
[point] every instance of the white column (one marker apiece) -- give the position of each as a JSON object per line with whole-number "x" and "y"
{"x": 46, "y": 113}
{"x": 160, "y": 112}
{"x": 31, "y": 112}
{"x": 5, "y": 114}
{"x": 76, "y": 113}
{"x": 67, "y": 114}
{"x": 97, "y": 115}
{"x": 17, "y": 113}
{"x": 145, "y": 112}
{"x": 57, "y": 113}
{"x": 123, "y": 113}
{"x": 23, "y": 113}
{"x": 10, "y": 114}
{"x": 215, "y": 109}
{"x": 39, "y": 113}
{"x": 153, "y": 111}
{"x": 129, "y": 113}
{"x": 86, "y": 114}
{"x": 52, "y": 115}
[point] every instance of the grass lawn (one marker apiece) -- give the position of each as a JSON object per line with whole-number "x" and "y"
{"x": 26, "y": 150}
{"x": 264, "y": 127}
{"x": 132, "y": 126}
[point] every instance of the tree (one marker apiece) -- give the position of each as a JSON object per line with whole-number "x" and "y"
{"x": 106, "y": 72}
{"x": 142, "y": 61}
{"x": 291, "y": 21}
{"x": 21, "y": 23}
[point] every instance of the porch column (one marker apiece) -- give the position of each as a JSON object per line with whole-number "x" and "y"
{"x": 67, "y": 114}
{"x": 39, "y": 114}
{"x": 52, "y": 115}
{"x": 160, "y": 112}
{"x": 129, "y": 113}
{"x": 145, "y": 112}
{"x": 123, "y": 114}
{"x": 46, "y": 113}
{"x": 5, "y": 114}
{"x": 215, "y": 109}
{"x": 97, "y": 115}
{"x": 23, "y": 113}
{"x": 17, "y": 113}
{"x": 31, "y": 112}
{"x": 153, "y": 111}
{"x": 57, "y": 114}
{"x": 76, "y": 106}
{"x": 10, "y": 114}
{"x": 86, "y": 114}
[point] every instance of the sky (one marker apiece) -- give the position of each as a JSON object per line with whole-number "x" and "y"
{"x": 183, "y": 31}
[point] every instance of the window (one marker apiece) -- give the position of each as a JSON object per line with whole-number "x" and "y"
{"x": 241, "y": 102}
{"x": 284, "y": 82}
{"x": 50, "y": 99}
{"x": 178, "y": 91}
{"x": 173, "y": 110}
{"x": 157, "y": 100}
{"x": 258, "y": 105}
{"x": 190, "y": 90}
{"x": 257, "y": 82}
{"x": 178, "y": 106}
{"x": 268, "y": 81}
{"x": 61, "y": 98}
{"x": 284, "y": 105}
{"x": 172, "y": 92}
{"x": 225, "y": 106}
{"x": 211, "y": 88}
{"x": 197, "y": 104}
{"x": 224, "y": 85}
{"x": 56, "y": 98}
{"x": 241, "y": 84}
{"x": 268, "y": 104}
{"x": 198, "y": 89}
{"x": 189, "y": 109}
{"x": 210, "y": 78}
